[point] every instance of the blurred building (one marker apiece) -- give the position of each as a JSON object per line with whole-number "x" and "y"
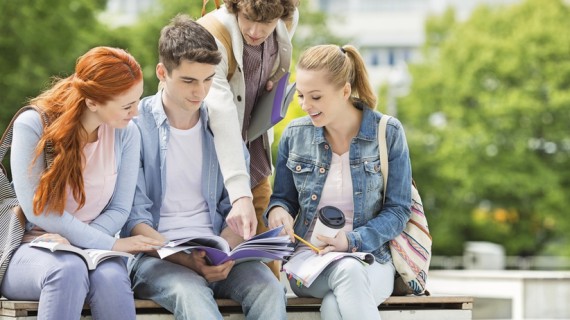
{"x": 125, "y": 12}
{"x": 389, "y": 33}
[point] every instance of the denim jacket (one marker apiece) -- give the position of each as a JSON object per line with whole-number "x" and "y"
{"x": 155, "y": 132}
{"x": 304, "y": 161}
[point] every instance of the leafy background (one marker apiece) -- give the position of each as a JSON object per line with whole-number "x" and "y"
{"x": 486, "y": 117}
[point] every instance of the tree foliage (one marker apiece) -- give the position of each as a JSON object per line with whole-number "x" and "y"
{"x": 487, "y": 124}
{"x": 141, "y": 39}
{"x": 41, "y": 39}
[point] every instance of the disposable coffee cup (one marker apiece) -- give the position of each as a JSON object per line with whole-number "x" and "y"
{"x": 329, "y": 222}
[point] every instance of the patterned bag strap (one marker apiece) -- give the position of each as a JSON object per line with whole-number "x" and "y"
{"x": 6, "y": 141}
{"x": 383, "y": 151}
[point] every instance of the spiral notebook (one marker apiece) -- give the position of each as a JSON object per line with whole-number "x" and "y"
{"x": 271, "y": 107}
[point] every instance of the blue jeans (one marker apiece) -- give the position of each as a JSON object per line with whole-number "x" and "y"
{"x": 62, "y": 284}
{"x": 350, "y": 289}
{"x": 189, "y": 296}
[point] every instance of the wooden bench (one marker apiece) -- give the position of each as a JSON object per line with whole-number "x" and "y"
{"x": 409, "y": 307}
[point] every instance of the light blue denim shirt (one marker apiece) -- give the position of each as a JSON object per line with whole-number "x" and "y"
{"x": 151, "y": 185}
{"x": 302, "y": 167}
{"x": 99, "y": 233}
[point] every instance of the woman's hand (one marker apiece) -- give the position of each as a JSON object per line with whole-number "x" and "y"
{"x": 52, "y": 237}
{"x": 136, "y": 244}
{"x": 338, "y": 243}
{"x": 279, "y": 216}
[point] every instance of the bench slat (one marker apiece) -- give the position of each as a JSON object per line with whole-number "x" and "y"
{"x": 26, "y": 308}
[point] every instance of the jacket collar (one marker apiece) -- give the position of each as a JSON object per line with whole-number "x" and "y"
{"x": 160, "y": 116}
{"x": 367, "y": 129}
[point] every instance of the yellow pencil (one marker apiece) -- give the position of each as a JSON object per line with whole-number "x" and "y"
{"x": 307, "y": 243}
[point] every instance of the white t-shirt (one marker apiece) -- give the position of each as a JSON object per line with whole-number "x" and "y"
{"x": 184, "y": 209}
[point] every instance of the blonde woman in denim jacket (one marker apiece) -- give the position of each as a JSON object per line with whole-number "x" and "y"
{"x": 330, "y": 157}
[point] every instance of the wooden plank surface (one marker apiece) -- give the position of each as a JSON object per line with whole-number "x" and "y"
{"x": 21, "y": 308}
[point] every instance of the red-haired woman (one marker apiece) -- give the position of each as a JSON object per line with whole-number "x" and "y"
{"x": 85, "y": 196}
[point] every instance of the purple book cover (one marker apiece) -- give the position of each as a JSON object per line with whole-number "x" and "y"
{"x": 276, "y": 115}
{"x": 266, "y": 246}
{"x": 218, "y": 257}
{"x": 271, "y": 107}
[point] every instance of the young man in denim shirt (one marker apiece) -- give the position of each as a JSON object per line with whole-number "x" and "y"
{"x": 180, "y": 191}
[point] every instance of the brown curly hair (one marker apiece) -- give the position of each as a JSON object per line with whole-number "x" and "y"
{"x": 262, "y": 10}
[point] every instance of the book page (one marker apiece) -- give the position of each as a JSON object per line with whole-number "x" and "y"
{"x": 213, "y": 241}
{"x": 266, "y": 246}
{"x": 193, "y": 243}
{"x": 306, "y": 265}
{"x": 56, "y": 246}
{"x": 92, "y": 257}
{"x": 99, "y": 255}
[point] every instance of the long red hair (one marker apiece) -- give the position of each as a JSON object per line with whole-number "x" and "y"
{"x": 100, "y": 74}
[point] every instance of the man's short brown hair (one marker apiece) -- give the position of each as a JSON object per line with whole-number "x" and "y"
{"x": 185, "y": 39}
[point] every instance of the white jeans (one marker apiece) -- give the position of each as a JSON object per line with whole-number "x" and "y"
{"x": 350, "y": 289}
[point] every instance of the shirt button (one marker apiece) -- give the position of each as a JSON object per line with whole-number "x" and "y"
{"x": 322, "y": 170}
{"x": 326, "y": 146}
{"x": 306, "y": 222}
{"x": 283, "y": 70}
{"x": 298, "y": 168}
{"x": 314, "y": 197}
{"x": 239, "y": 98}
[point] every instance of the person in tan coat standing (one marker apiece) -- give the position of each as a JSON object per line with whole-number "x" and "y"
{"x": 260, "y": 35}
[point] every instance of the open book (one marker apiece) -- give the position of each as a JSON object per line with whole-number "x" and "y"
{"x": 92, "y": 257}
{"x": 265, "y": 247}
{"x": 305, "y": 266}
{"x": 271, "y": 107}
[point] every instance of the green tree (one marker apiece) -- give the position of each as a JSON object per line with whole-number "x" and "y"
{"x": 487, "y": 124}
{"x": 41, "y": 39}
{"x": 312, "y": 30}
{"x": 141, "y": 39}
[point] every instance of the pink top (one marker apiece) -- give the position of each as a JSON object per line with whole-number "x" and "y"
{"x": 337, "y": 192}
{"x": 99, "y": 179}
{"x": 99, "y": 176}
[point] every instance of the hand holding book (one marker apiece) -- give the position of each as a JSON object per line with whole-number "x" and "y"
{"x": 306, "y": 265}
{"x": 266, "y": 246}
